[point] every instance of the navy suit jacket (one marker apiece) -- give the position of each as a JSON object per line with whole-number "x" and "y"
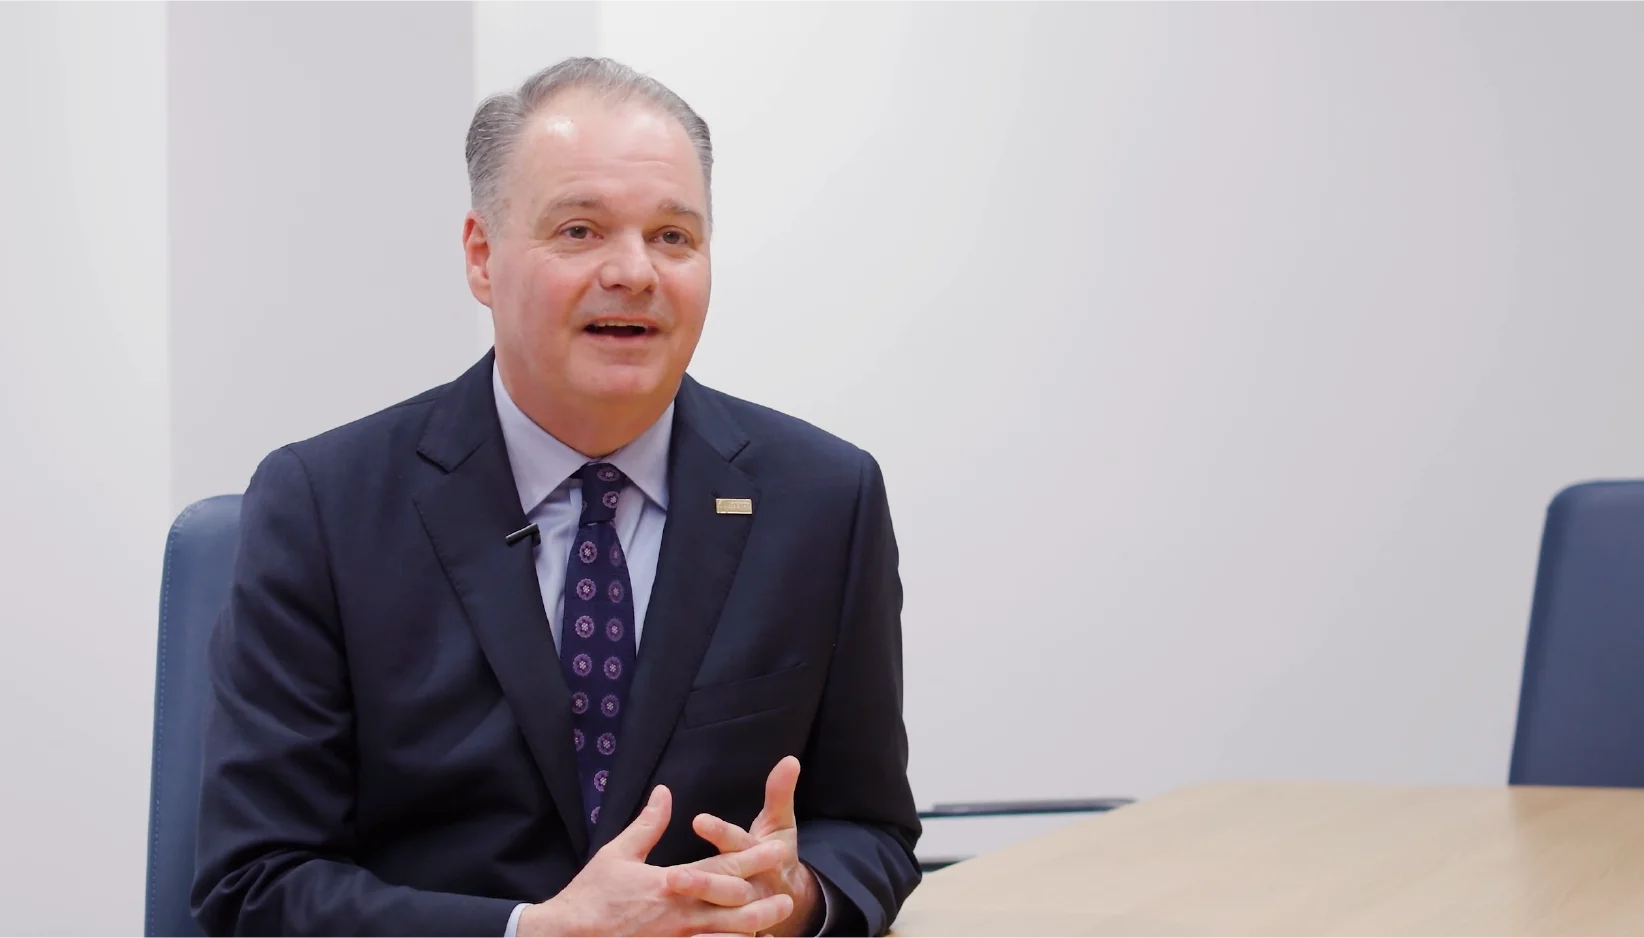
{"x": 387, "y": 748}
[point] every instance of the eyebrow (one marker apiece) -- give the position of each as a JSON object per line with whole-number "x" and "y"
{"x": 670, "y": 207}
{"x": 666, "y": 206}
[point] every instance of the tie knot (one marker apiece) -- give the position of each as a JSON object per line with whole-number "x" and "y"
{"x": 601, "y": 489}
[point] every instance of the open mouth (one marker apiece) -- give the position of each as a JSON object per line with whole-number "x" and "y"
{"x": 620, "y": 330}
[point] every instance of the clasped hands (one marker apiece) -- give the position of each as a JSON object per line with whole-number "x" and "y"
{"x": 755, "y": 886}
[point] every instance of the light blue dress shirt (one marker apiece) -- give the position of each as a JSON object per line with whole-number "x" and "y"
{"x": 552, "y": 500}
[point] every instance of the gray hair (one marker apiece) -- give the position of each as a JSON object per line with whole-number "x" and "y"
{"x": 500, "y": 118}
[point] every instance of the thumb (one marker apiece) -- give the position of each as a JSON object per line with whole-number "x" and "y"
{"x": 779, "y": 787}
{"x": 638, "y": 839}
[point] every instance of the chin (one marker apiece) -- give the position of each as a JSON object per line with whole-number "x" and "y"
{"x": 621, "y": 385}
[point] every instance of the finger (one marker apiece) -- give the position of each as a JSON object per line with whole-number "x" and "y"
{"x": 725, "y": 836}
{"x": 743, "y": 864}
{"x": 751, "y": 919}
{"x": 779, "y": 787}
{"x": 713, "y": 888}
{"x": 639, "y": 838}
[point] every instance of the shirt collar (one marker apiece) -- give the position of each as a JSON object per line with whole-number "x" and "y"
{"x": 542, "y": 463}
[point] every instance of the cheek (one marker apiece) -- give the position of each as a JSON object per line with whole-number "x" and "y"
{"x": 688, "y": 294}
{"x": 545, "y": 292}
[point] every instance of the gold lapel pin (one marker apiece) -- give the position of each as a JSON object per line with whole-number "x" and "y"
{"x": 733, "y": 506}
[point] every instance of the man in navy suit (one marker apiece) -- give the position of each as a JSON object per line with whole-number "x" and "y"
{"x": 573, "y": 644}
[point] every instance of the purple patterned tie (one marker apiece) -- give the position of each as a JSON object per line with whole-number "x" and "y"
{"x": 596, "y": 646}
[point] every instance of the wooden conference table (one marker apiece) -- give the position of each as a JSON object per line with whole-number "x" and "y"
{"x": 1312, "y": 859}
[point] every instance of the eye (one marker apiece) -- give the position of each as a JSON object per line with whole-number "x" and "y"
{"x": 675, "y": 238}
{"x": 578, "y": 232}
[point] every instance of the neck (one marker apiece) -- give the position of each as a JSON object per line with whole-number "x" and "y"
{"x": 595, "y": 429}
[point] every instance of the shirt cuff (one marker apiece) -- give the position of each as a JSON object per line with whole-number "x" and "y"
{"x": 513, "y": 921}
{"x": 830, "y": 900}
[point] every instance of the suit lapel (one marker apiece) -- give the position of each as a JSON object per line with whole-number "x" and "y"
{"x": 701, "y": 550}
{"x": 467, "y": 513}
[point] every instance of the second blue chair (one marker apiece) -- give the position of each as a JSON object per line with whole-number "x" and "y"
{"x": 1581, "y": 704}
{"x": 199, "y": 565}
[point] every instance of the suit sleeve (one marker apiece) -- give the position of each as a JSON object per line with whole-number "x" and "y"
{"x": 276, "y": 845}
{"x": 858, "y": 824}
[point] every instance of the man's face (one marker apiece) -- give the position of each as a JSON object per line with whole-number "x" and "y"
{"x": 596, "y": 267}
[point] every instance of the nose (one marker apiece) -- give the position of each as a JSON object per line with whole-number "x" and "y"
{"x": 627, "y": 265}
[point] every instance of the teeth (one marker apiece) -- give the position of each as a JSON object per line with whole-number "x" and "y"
{"x": 618, "y": 322}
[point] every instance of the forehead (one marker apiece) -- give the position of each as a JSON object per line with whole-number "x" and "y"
{"x": 617, "y": 152}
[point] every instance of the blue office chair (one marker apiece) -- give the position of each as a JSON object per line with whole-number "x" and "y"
{"x": 1581, "y": 705}
{"x": 194, "y": 586}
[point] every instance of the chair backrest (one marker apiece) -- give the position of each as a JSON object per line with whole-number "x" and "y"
{"x": 199, "y": 563}
{"x": 1581, "y": 705}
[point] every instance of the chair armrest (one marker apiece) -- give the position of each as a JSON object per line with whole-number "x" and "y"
{"x": 988, "y": 809}
{"x": 1006, "y": 808}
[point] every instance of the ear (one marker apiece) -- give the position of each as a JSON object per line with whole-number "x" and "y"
{"x": 476, "y": 249}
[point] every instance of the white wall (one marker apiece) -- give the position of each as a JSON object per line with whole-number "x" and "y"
{"x": 318, "y": 190}
{"x": 229, "y": 226}
{"x": 1221, "y": 358}
{"x": 86, "y": 460}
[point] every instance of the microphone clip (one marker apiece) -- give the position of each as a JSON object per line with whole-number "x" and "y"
{"x": 529, "y": 531}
